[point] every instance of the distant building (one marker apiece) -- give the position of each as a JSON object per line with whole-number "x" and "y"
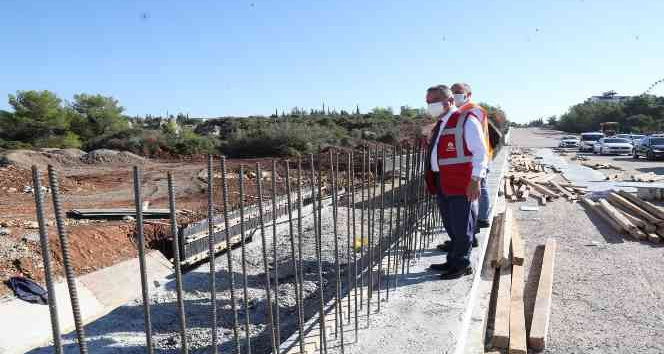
{"x": 610, "y": 96}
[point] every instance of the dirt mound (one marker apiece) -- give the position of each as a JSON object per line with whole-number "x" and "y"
{"x": 26, "y": 158}
{"x": 111, "y": 156}
{"x": 14, "y": 179}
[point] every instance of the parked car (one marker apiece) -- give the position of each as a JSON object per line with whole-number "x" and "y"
{"x": 651, "y": 147}
{"x": 569, "y": 141}
{"x": 634, "y": 138}
{"x": 588, "y": 141}
{"x": 613, "y": 146}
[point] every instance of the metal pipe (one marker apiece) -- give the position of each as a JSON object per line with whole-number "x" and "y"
{"x": 138, "y": 202}
{"x": 294, "y": 260}
{"x": 66, "y": 259}
{"x": 268, "y": 288}
{"x": 176, "y": 260}
{"x": 245, "y": 285}
{"x": 224, "y": 186}
{"x": 46, "y": 258}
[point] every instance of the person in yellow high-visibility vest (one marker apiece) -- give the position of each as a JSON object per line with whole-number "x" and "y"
{"x": 462, "y": 99}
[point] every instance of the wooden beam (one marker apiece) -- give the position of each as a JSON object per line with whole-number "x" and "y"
{"x": 595, "y": 207}
{"x": 539, "y": 326}
{"x": 496, "y": 235}
{"x": 634, "y": 209}
{"x": 508, "y": 188}
{"x": 517, "y": 314}
{"x": 506, "y": 231}
{"x": 643, "y": 225}
{"x": 645, "y": 205}
{"x": 564, "y": 191}
{"x": 501, "y": 331}
{"x": 538, "y": 187}
{"x": 518, "y": 251}
{"x": 654, "y": 238}
{"x": 622, "y": 220}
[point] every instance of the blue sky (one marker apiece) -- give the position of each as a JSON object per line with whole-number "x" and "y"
{"x": 226, "y": 57}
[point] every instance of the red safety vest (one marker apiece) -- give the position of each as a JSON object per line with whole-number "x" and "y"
{"x": 454, "y": 158}
{"x": 476, "y": 110}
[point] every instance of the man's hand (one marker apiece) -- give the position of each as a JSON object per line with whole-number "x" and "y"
{"x": 473, "y": 190}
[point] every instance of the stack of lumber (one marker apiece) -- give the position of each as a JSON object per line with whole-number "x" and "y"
{"x": 602, "y": 166}
{"x": 540, "y": 186}
{"x": 580, "y": 158}
{"x": 630, "y": 215}
{"x": 510, "y": 321}
{"x": 646, "y": 177}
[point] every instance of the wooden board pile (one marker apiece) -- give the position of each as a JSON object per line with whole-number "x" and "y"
{"x": 630, "y": 215}
{"x": 510, "y": 323}
{"x": 602, "y": 166}
{"x": 646, "y": 177}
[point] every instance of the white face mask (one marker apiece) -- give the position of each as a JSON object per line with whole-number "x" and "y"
{"x": 435, "y": 109}
{"x": 460, "y": 99}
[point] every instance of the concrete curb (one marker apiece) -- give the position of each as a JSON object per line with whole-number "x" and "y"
{"x": 498, "y": 167}
{"x": 26, "y": 326}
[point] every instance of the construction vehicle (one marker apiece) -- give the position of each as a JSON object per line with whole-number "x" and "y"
{"x": 608, "y": 128}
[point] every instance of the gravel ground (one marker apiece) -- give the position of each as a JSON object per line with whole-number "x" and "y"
{"x": 608, "y": 296}
{"x": 122, "y": 330}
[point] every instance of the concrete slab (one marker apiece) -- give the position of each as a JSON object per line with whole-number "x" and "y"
{"x": 25, "y": 326}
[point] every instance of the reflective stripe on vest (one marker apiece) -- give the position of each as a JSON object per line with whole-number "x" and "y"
{"x": 458, "y": 141}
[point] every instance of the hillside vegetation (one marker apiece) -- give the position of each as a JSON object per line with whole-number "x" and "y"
{"x": 40, "y": 119}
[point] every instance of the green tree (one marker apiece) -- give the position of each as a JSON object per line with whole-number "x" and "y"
{"x": 95, "y": 115}
{"x": 38, "y": 116}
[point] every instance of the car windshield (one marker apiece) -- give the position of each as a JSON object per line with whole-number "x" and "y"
{"x": 591, "y": 137}
{"x": 623, "y": 136}
{"x": 657, "y": 141}
{"x": 637, "y": 136}
{"x": 569, "y": 138}
{"x": 616, "y": 141}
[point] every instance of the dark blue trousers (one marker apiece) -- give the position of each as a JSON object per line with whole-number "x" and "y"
{"x": 459, "y": 218}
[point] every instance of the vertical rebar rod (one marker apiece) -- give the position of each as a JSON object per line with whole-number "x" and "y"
{"x": 66, "y": 258}
{"x": 294, "y": 260}
{"x": 336, "y": 254}
{"x": 406, "y": 215}
{"x": 382, "y": 222}
{"x": 46, "y": 259}
{"x": 336, "y": 250}
{"x": 390, "y": 233}
{"x": 138, "y": 202}
{"x": 352, "y": 195}
{"x": 319, "y": 248}
{"x": 418, "y": 193}
{"x": 348, "y": 238}
{"x": 370, "y": 261}
{"x": 299, "y": 235}
{"x": 399, "y": 225}
{"x": 213, "y": 285}
{"x": 423, "y": 204}
{"x": 274, "y": 251}
{"x": 321, "y": 311}
{"x": 229, "y": 258}
{"x": 266, "y": 269}
{"x": 176, "y": 261}
{"x": 362, "y": 235}
{"x": 245, "y": 285}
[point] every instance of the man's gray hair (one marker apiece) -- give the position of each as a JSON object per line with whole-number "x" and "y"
{"x": 466, "y": 87}
{"x": 443, "y": 90}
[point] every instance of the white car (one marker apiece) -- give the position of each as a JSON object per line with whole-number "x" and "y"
{"x": 634, "y": 138}
{"x": 588, "y": 140}
{"x": 612, "y": 145}
{"x": 569, "y": 142}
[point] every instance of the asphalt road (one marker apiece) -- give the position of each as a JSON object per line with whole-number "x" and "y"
{"x": 608, "y": 296}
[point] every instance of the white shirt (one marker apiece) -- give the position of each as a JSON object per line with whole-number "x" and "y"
{"x": 474, "y": 137}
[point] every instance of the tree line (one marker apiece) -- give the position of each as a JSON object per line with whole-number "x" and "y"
{"x": 40, "y": 119}
{"x": 637, "y": 114}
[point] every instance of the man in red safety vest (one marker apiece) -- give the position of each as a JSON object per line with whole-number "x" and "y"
{"x": 456, "y": 163}
{"x": 462, "y": 99}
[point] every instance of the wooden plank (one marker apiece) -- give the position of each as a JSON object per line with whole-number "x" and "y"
{"x": 643, "y": 225}
{"x": 517, "y": 314}
{"x": 622, "y": 220}
{"x": 538, "y": 187}
{"x": 539, "y": 326}
{"x": 518, "y": 251}
{"x": 508, "y": 187}
{"x": 507, "y": 230}
{"x": 594, "y": 207}
{"x": 654, "y": 238}
{"x": 496, "y": 237}
{"x": 645, "y": 205}
{"x": 565, "y": 192}
{"x": 634, "y": 209}
{"x": 501, "y": 331}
